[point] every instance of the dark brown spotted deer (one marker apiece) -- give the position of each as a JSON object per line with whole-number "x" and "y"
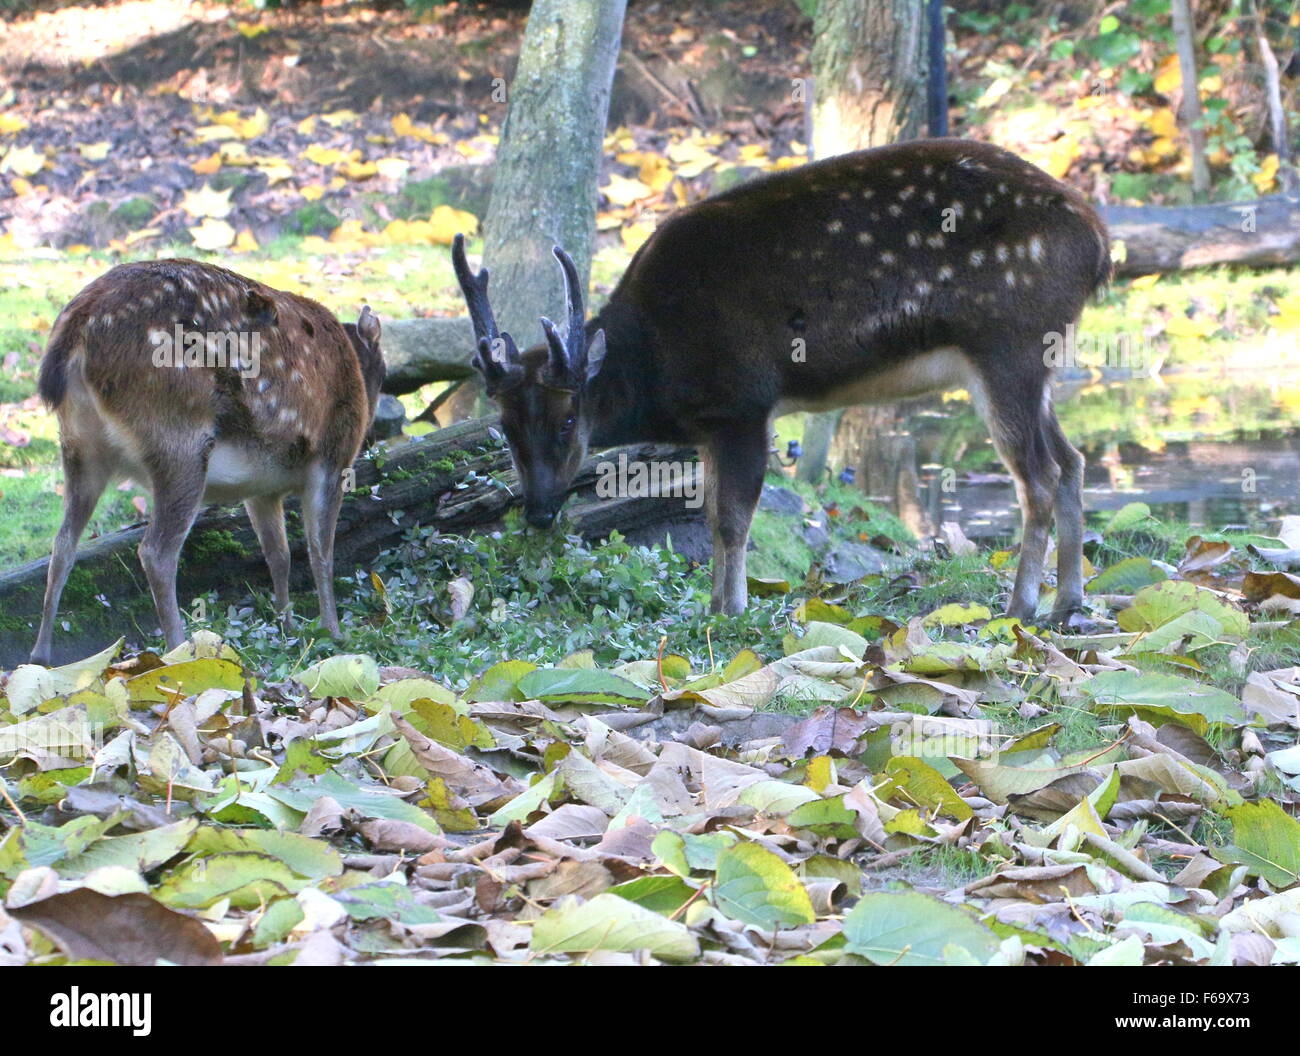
{"x": 862, "y": 278}
{"x": 208, "y": 387}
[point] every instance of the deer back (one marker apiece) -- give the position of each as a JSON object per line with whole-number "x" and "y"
{"x": 156, "y": 348}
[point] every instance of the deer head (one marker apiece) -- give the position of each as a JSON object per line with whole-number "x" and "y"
{"x": 540, "y": 391}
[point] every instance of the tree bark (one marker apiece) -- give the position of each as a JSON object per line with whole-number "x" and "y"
{"x": 458, "y": 479}
{"x": 868, "y": 63}
{"x": 869, "y": 71}
{"x": 1185, "y": 39}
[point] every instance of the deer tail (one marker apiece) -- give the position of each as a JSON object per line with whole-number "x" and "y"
{"x": 52, "y": 383}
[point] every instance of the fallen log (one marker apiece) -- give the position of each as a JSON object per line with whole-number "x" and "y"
{"x": 1260, "y": 233}
{"x": 459, "y": 479}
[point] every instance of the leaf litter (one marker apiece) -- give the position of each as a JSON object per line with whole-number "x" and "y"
{"x": 931, "y": 808}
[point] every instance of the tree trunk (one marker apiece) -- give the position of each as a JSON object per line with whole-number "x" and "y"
{"x": 544, "y": 188}
{"x": 868, "y": 63}
{"x": 456, "y": 480}
{"x": 1185, "y": 39}
{"x": 869, "y": 71}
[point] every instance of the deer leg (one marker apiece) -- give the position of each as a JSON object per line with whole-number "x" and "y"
{"x": 266, "y": 513}
{"x": 735, "y": 460}
{"x": 321, "y": 500}
{"x": 178, "y": 478}
{"x": 84, "y": 479}
{"x": 1016, "y": 422}
{"x": 1069, "y": 521}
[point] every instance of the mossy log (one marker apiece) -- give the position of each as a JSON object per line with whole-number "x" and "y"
{"x": 459, "y": 479}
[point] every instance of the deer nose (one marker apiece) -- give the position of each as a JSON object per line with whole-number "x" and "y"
{"x": 540, "y": 518}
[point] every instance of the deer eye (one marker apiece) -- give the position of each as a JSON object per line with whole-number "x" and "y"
{"x": 567, "y": 427}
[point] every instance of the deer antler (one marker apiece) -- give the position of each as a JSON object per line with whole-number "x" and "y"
{"x": 569, "y": 355}
{"x": 497, "y": 358}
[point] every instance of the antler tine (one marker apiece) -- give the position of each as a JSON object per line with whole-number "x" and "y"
{"x": 475, "y": 289}
{"x": 573, "y": 298}
{"x": 568, "y": 361}
{"x": 497, "y": 357}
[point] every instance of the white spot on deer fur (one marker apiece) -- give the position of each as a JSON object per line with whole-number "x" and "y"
{"x": 1020, "y": 250}
{"x": 896, "y": 172}
{"x": 928, "y": 170}
{"x": 929, "y": 197}
{"x": 895, "y": 210}
{"x": 909, "y": 307}
{"x": 157, "y": 337}
{"x": 914, "y": 238}
{"x": 864, "y": 237}
{"x": 1036, "y": 248}
{"x": 844, "y": 196}
{"x": 958, "y": 208}
{"x": 979, "y": 214}
{"x": 906, "y": 193}
{"x": 867, "y": 194}
{"x": 922, "y": 288}
{"x": 887, "y": 258}
{"x": 1011, "y": 277}
{"x": 988, "y": 199}
{"x": 977, "y": 257}
{"x": 945, "y": 273}
{"x": 835, "y": 227}
{"x": 935, "y": 241}
{"x": 1002, "y": 188}
{"x": 263, "y": 384}
{"x": 1019, "y": 200}
{"x": 1001, "y": 253}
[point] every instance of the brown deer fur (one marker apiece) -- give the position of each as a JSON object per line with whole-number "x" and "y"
{"x": 197, "y": 423}
{"x": 866, "y": 277}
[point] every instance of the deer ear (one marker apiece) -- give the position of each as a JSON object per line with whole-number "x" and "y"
{"x": 368, "y": 326}
{"x": 595, "y": 354}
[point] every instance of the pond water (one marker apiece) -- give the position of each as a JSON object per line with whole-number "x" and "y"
{"x": 1214, "y": 450}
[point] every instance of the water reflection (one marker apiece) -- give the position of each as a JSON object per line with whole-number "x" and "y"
{"x": 1218, "y": 451}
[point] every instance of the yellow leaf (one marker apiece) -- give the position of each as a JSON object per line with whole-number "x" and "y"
{"x": 251, "y": 29}
{"x": 324, "y": 155}
{"x": 655, "y": 172}
{"x": 1145, "y": 282}
{"x": 634, "y": 235}
{"x": 994, "y": 92}
{"x": 339, "y": 118}
{"x": 143, "y": 235}
{"x": 277, "y": 170}
{"x": 213, "y": 133}
{"x": 245, "y": 242}
{"x": 207, "y": 202}
{"x": 753, "y": 154}
{"x": 24, "y": 161}
{"x": 212, "y": 234}
{"x": 207, "y": 166}
{"x": 1267, "y": 175}
{"x": 691, "y": 157}
{"x": 392, "y": 168}
{"x": 11, "y": 123}
{"x": 358, "y": 170}
{"x": 307, "y": 126}
{"x": 1163, "y": 123}
{"x": 790, "y": 161}
{"x": 622, "y": 191}
{"x": 94, "y": 151}
{"x": 609, "y": 221}
{"x": 447, "y": 222}
{"x": 1169, "y": 75}
{"x": 313, "y": 192}
{"x": 21, "y": 187}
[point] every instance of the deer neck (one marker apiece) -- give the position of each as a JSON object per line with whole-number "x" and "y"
{"x": 624, "y": 395}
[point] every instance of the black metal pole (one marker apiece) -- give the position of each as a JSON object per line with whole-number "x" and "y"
{"x": 937, "y": 96}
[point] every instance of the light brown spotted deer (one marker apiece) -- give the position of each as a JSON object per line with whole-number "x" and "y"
{"x": 208, "y": 387}
{"x": 865, "y": 277}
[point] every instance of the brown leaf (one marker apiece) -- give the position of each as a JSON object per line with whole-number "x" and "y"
{"x": 129, "y": 929}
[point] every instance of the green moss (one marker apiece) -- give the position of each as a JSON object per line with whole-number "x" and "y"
{"x": 135, "y": 212}
{"x": 212, "y": 544}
